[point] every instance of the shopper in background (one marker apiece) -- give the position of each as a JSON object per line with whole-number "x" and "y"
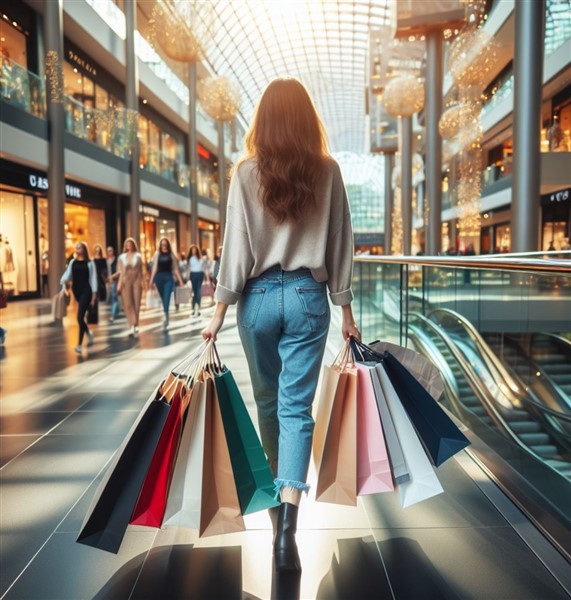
{"x": 112, "y": 281}
{"x": 82, "y": 274}
{"x": 130, "y": 285}
{"x": 288, "y": 239}
{"x": 164, "y": 271}
{"x": 101, "y": 267}
{"x": 198, "y": 271}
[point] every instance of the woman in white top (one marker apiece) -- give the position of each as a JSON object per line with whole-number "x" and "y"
{"x": 288, "y": 239}
{"x": 82, "y": 274}
{"x": 130, "y": 286}
{"x": 198, "y": 270}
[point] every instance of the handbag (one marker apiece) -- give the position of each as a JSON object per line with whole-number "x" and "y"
{"x": 60, "y": 302}
{"x": 207, "y": 289}
{"x": 93, "y": 313}
{"x": 152, "y": 299}
{"x": 182, "y": 295}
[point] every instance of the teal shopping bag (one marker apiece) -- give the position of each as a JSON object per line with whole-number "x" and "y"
{"x": 252, "y": 474}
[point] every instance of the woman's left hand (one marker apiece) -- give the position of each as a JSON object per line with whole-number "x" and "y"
{"x": 93, "y": 300}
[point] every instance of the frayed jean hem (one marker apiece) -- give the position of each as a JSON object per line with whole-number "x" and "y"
{"x": 282, "y": 483}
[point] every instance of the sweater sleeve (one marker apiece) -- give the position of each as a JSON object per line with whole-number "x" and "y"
{"x": 340, "y": 244}
{"x": 92, "y": 276}
{"x": 237, "y": 259}
{"x": 67, "y": 273}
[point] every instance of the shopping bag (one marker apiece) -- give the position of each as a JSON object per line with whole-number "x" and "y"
{"x": 440, "y": 436}
{"x": 252, "y": 474}
{"x": 337, "y": 474}
{"x": 423, "y": 482}
{"x": 220, "y": 507}
{"x": 423, "y": 370}
{"x": 93, "y": 313}
{"x": 60, "y": 303}
{"x": 373, "y": 466}
{"x": 185, "y": 493}
{"x": 396, "y": 457}
{"x": 207, "y": 289}
{"x": 108, "y": 516}
{"x": 151, "y": 503}
{"x": 152, "y": 299}
{"x": 182, "y": 295}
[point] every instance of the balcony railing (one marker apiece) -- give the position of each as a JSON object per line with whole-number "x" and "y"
{"x": 23, "y": 89}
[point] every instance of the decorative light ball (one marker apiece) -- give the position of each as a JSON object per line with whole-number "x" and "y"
{"x": 220, "y": 97}
{"x": 180, "y": 29}
{"x": 472, "y": 58}
{"x": 404, "y": 96}
{"x": 455, "y": 118}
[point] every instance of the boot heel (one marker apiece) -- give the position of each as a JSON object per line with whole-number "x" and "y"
{"x": 286, "y": 556}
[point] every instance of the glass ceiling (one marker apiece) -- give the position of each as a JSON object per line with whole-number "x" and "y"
{"x": 322, "y": 43}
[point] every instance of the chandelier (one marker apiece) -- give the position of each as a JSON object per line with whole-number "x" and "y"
{"x": 404, "y": 95}
{"x": 456, "y": 118}
{"x": 472, "y": 57}
{"x": 220, "y": 97}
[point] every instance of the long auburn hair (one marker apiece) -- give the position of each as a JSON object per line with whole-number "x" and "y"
{"x": 289, "y": 143}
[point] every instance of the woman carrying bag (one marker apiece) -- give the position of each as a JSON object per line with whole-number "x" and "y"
{"x": 288, "y": 239}
{"x": 82, "y": 274}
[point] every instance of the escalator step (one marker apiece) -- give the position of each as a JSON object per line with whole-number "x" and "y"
{"x": 520, "y": 427}
{"x": 518, "y": 415}
{"x": 545, "y": 451}
{"x": 535, "y": 440}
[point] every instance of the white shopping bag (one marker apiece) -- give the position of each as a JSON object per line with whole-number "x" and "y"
{"x": 152, "y": 299}
{"x": 185, "y": 492}
{"x": 423, "y": 482}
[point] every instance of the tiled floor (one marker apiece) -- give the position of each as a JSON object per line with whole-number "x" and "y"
{"x": 63, "y": 416}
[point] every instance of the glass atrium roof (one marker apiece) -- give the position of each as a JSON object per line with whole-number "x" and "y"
{"x": 324, "y": 43}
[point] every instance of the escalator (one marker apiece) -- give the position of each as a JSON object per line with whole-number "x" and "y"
{"x": 552, "y": 354}
{"x": 482, "y": 392}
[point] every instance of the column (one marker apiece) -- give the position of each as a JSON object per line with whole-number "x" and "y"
{"x": 53, "y": 34}
{"x": 193, "y": 153}
{"x": 528, "y": 84}
{"x": 222, "y": 178}
{"x": 433, "y": 111}
{"x": 389, "y": 164}
{"x": 405, "y": 145}
{"x": 132, "y": 98}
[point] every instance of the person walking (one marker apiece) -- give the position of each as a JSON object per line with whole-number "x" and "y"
{"x": 198, "y": 271}
{"x": 112, "y": 281}
{"x": 101, "y": 267}
{"x": 288, "y": 239}
{"x": 82, "y": 275}
{"x": 164, "y": 271}
{"x": 130, "y": 285}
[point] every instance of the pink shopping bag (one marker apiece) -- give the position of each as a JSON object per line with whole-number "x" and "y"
{"x": 373, "y": 466}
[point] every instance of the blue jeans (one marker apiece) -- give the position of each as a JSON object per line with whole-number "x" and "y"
{"x": 114, "y": 299}
{"x": 196, "y": 279}
{"x": 283, "y": 320}
{"x": 164, "y": 283}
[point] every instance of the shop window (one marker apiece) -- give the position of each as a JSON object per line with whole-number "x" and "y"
{"x": 18, "y": 257}
{"x": 503, "y": 239}
{"x": 13, "y": 43}
{"x": 83, "y": 224}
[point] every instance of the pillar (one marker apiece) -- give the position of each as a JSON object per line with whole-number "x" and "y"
{"x": 389, "y": 164}
{"x": 222, "y": 177}
{"x": 193, "y": 153}
{"x": 405, "y": 145}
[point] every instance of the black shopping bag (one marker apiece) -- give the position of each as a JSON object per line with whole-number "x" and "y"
{"x": 108, "y": 517}
{"x": 93, "y": 313}
{"x": 440, "y": 436}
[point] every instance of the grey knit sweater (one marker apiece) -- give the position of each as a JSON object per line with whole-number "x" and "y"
{"x": 253, "y": 243}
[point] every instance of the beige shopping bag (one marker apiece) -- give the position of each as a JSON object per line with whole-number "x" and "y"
{"x": 220, "y": 507}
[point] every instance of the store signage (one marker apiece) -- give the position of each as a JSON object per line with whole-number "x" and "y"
{"x": 560, "y": 196}
{"x": 149, "y": 210}
{"x": 37, "y": 182}
{"x": 73, "y": 57}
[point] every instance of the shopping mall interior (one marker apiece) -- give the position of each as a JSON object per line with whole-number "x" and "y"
{"x": 451, "y": 123}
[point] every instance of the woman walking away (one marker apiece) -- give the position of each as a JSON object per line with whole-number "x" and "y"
{"x": 288, "y": 238}
{"x": 101, "y": 268}
{"x": 130, "y": 286}
{"x": 198, "y": 270}
{"x": 164, "y": 269}
{"x": 82, "y": 274}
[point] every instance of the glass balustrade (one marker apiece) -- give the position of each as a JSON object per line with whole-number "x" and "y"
{"x": 500, "y": 334}
{"x": 22, "y": 88}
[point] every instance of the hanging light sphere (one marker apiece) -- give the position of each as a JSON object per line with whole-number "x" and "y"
{"x": 219, "y": 97}
{"x": 180, "y": 29}
{"x": 404, "y": 96}
{"x": 472, "y": 58}
{"x": 456, "y": 118}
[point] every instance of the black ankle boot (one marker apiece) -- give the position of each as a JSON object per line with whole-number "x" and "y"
{"x": 285, "y": 548}
{"x": 273, "y": 513}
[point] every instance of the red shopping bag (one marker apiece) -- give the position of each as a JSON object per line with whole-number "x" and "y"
{"x": 150, "y": 507}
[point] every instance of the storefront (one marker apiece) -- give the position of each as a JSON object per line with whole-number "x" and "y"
{"x": 209, "y": 237}
{"x": 157, "y": 223}
{"x": 556, "y": 220}
{"x": 90, "y": 215}
{"x": 495, "y": 234}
